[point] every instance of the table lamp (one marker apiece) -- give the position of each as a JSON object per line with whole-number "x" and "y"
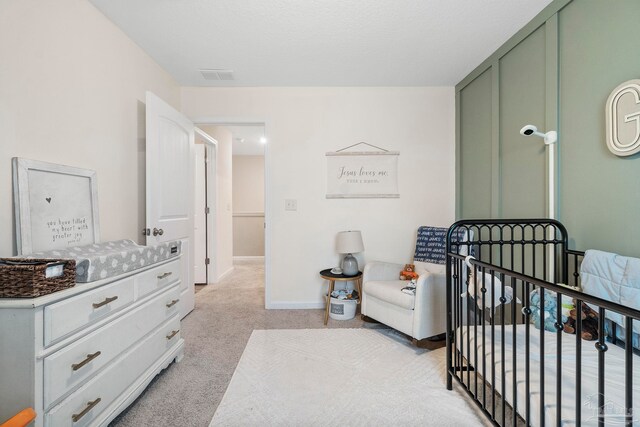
{"x": 349, "y": 242}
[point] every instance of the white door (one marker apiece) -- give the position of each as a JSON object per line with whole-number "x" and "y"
{"x": 200, "y": 221}
{"x": 210, "y": 219}
{"x": 170, "y": 193}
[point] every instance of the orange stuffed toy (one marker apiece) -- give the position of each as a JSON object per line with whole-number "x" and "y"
{"x": 409, "y": 272}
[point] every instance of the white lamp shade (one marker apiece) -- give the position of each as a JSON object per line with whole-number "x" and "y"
{"x": 349, "y": 242}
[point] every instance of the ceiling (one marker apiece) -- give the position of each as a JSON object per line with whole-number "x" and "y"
{"x": 321, "y": 42}
{"x": 246, "y": 140}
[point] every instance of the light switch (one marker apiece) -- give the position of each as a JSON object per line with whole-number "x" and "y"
{"x": 290, "y": 205}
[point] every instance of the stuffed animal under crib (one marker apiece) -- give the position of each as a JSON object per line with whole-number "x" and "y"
{"x": 409, "y": 272}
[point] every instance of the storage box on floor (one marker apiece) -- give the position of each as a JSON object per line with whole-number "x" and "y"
{"x": 342, "y": 309}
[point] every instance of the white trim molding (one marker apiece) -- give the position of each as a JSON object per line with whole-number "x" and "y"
{"x": 225, "y": 274}
{"x": 205, "y": 136}
{"x": 248, "y": 214}
{"x": 248, "y": 258}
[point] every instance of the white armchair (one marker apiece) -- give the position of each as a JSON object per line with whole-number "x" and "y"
{"x": 420, "y": 316}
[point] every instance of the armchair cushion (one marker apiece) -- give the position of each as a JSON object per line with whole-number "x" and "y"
{"x": 422, "y": 267}
{"x": 390, "y": 291}
{"x": 377, "y": 270}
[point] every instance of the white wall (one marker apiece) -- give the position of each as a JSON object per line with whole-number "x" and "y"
{"x": 223, "y": 207}
{"x": 72, "y": 89}
{"x": 248, "y": 183}
{"x": 302, "y": 124}
{"x": 248, "y": 199}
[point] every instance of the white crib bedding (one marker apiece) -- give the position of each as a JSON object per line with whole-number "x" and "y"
{"x": 614, "y": 375}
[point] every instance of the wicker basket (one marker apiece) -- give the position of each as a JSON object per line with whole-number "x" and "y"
{"x": 29, "y": 280}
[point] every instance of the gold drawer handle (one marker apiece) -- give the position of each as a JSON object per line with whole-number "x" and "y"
{"x": 90, "y": 405}
{"x": 172, "y": 303}
{"x": 163, "y": 275}
{"x": 105, "y": 302}
{"x": 173, "y": 334}
{"x": 89, "y": 358}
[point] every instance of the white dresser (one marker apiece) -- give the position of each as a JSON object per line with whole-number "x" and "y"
{"x": 79, "y": 357}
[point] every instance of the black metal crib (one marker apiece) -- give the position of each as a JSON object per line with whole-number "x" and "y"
{"x": 504, "y": 362}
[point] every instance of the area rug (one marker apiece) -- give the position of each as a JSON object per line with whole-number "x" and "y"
{"x": 350, "y": 377}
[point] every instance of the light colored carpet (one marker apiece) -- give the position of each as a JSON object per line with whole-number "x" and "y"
{"x": 216, "y": 333}
{"x": 351, "y": 377}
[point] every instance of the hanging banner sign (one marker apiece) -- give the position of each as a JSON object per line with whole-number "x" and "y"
{"x": 353, "y": 175}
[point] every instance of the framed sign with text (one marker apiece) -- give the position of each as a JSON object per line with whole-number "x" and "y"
{"x": 362, "y": 174}
{"x": 56, "y": 206}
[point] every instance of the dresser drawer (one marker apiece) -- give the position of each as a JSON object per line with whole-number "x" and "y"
{"x": 72, "y": 365}
{"x": 67, "y": 316}
{"x": 83, "y": 407}
{"x": 157, "y": 278}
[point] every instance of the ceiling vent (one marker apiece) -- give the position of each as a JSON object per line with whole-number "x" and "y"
{"x": 217, "y": 74}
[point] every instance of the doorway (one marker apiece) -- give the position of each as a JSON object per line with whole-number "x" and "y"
{"x": 204, "y": 209}
{"x": 248, "y": 193}
{"x": 236, "y": 199}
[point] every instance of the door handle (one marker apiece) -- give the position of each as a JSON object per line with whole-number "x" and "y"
{"x": 172, "y": 334}
{"x": 158, "y": 231}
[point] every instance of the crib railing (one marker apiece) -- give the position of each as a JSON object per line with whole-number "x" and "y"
{"x": 539, "y": 248}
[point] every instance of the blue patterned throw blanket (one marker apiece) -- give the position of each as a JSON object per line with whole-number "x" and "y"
{"x": 431, "y": 244}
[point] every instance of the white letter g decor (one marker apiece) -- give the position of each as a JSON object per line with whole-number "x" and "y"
{"x": 623, "y": 119}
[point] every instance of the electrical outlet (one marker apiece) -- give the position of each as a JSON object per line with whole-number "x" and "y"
{"x": 290, "y": 205}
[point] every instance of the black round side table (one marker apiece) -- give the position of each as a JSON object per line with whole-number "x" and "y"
{"x": 333, "y": 278}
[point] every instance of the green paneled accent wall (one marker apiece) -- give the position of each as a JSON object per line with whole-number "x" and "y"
{"x": 475, "y": 140}
{"x": 600, "y": 192}
{"x": 522, "y": 159}
{"x": 557, "y": 72}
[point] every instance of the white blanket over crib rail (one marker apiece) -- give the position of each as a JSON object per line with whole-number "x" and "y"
{"x": 614, "y": 278}
{"x": 614, "y": 374}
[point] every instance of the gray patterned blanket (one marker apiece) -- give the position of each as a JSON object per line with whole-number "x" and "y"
{"x": 109, "y": 259}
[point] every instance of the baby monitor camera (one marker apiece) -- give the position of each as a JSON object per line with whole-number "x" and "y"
{"x": 549, "y": 138}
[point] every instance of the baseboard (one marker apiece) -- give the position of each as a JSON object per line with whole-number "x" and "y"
{"x": 248, "y": 258}
{"x": 225, "y": 274}
{"x": 293, "y": 305}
